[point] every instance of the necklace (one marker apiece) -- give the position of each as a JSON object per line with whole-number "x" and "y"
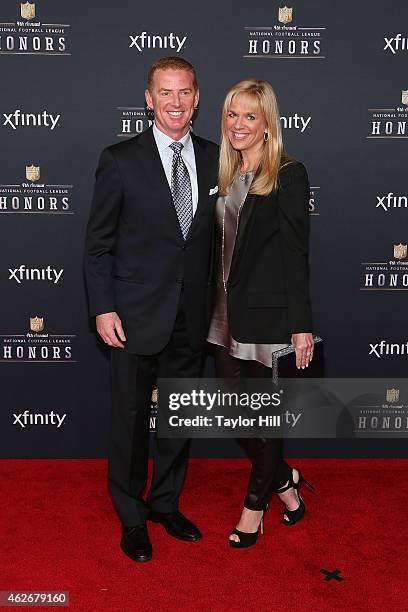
{"x": 242, "y": 175}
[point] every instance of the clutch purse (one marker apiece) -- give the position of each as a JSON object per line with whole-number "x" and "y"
{"x": 284, "y": 363}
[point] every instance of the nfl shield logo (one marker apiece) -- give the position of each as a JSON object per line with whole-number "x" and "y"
{"x": 36, "y": 324}
{"x": 404, "y": 96}
{"x": 32, "y": 173}
{"x": 392, "y": 395}
{"x": 27, "y": 10}
{"x": 400, "y": 251}
{"x": 155, "y": 396}
{"x": 285, "y": 14}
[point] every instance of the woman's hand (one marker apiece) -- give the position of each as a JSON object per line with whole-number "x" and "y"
{"x": 303, "y": 344}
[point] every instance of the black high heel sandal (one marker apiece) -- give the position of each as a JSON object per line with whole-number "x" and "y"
{"x": 247, "y": 539}
{"x": 290, "y": 517}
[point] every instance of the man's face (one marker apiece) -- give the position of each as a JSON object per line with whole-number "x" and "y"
{"x": 173, "y": 98}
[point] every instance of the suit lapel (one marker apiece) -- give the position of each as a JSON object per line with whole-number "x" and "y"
{"x": 203, "y": 168}
{"x": 161, "y": 185}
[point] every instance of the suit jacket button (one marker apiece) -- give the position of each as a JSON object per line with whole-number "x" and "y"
{"x": 184, "y": 247}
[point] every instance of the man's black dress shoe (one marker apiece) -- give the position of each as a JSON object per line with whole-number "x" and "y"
{"x": 135, "y": 543}
{"x": 177, "y": 525}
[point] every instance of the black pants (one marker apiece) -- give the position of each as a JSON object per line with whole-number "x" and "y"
{"x": 133, "y": 379}
{"x": 269, "y": 471}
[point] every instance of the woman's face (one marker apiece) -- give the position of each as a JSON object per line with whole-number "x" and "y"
{"x": 245, "y": 124}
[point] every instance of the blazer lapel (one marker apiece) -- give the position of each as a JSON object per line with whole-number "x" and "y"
{"x": 246, "y": 220}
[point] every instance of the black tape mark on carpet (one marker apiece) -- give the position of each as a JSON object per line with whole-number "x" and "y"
{"x": 334, "y": 575}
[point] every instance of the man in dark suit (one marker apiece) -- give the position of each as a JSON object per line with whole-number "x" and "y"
{"x": 147, "y": 268}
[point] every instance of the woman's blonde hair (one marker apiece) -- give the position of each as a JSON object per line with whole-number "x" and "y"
{"x": 266, "y": 178}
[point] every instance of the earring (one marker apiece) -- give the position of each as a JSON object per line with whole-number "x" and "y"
{"x": 266, "y": 136}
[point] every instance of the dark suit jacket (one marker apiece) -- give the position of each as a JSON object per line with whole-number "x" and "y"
{"x": 267, "y": 289}
{"x": 136, "y": 260}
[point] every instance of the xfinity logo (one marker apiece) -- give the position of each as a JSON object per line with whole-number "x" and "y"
{"x": 391, "y": 201}
{"x": 38, "y": 418}
{"x": 295, "y": 122}
{"x": 385, "y": 348}
{"x": 19, "y": 119}
{"x": 22, "y": 273}
{"x": 156, "y": 41}
{"x": 397, "y": 43}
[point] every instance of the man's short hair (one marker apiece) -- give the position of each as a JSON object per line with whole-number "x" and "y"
{"x": 173, "y": 63}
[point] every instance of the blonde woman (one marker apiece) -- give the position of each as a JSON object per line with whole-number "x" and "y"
{"x": 262, "y": 297}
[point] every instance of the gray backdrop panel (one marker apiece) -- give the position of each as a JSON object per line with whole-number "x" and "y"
{"x": 93, "y": 80}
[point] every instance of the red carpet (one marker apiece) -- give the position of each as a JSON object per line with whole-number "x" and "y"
{"x": 59, "y": 531}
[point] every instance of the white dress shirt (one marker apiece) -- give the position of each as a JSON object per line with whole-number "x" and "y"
{"x": 163, "y": 143}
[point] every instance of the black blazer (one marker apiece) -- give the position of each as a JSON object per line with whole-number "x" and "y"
{"x": 267, "y": 289}
{"x": 136, "y": 260}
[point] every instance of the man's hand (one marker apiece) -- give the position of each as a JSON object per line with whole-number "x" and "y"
{"x": 110, "y": 329}
{"x": 303, "y": 344}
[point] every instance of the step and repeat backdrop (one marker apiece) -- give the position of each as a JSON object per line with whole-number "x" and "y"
{"x": 73, "y": 76}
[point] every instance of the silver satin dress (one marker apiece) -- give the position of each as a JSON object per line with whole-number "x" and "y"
{"x": 219, "y": 332}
